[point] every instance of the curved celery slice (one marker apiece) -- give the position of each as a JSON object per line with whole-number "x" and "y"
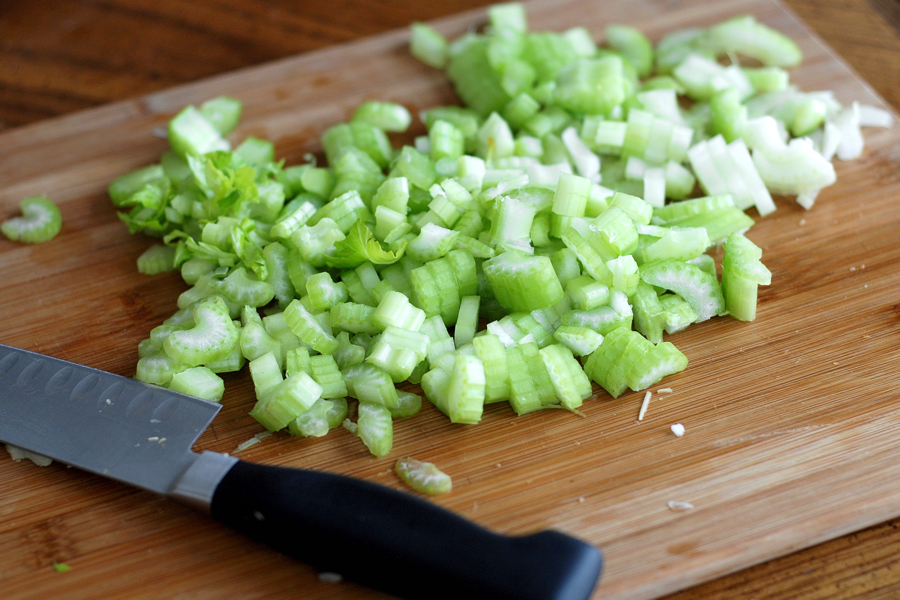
{"x": 701, "y": 289}
{"x": 240, "y": 287}
{"x": 610, "y": 363}
{"x": 745, "y": 35}
{"x": 40, "y": 222}
{"x": 212, "y": 337}
{"x": 633, "y": 45}
{"x": 423, "y": 476}
{"x": 324, "y": 370}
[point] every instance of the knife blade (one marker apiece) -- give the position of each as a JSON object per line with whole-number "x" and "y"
{"x": 143, "y": 435}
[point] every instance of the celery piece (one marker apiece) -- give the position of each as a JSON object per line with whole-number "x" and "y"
{"x": 649, "y": 313}
{"x": 793, "y": 168}
{"x": 610, "y": 363}
{"x": 222, "y": 112}
{"x": 728, "y": 116}
{"x": 603, "y": 319}
{"x": 314, "y": 242}
{"x": 612, "y": 234}
{"x": 323, "y": 292}
{"x": 157, "y": 368}
{"x": 678, "y": 313}
{"x": 523, "y": 282}
{"x": 659, "y": 361}
{"x": 348, "y": 353}
{"x": 683, "y": 243}
{"x": 200, "y": 382}
{"x": 445, "y": 141}
{"x": 432, "y": 243}
{"x": 582, "y": 341}
{"x": 324, "y": 370}
{"x": 422, "y": 476}
{"x": 283, "y": 402}
{"x": 701, "y": 289}
{"x": 398, "y": 352}
{"x": 745, "y": 35}
{"x": 742, "y": 272}
{"x": 266, "y": 373}
{"x": 312, "y": 422}
{"x": 292, "y": 217}
{"x": 395, "y": 310}
{"x": 490, "y": 351}
{"x": 388, "y": 116}
{"x": 125, "y": 186}
{"x": 375, "y": 428}
{"x": 625, "y": 274}
{"x": 475, "y": 80}
{"x": 570, "y": 197}
{"x": 244, "y": 288}
{"x": 408, "y": 404}
{"x": 467, "y": 322}
{"x": 371, "y": 384}
{"x": 354, "y": 317}
{"x": 297, "y": 359}
{"x": 40, "y": 222}
{"x": 191, "y": 133}
{"x": 428, "y": 45}
{"x": 587, "y": 293}
{"x": 156, "y": 259}
{"x": 465, "y": 393}
{"x": 440, "y": 342}
{"x": 212, "y": 337}
{"x": 524, "y": 396}
{"x": 633, "y": 45}
{"x": 308, "y": 328}
{"x": 255, "y": 341}
{"x": 592, "y": 86}
{"x": 256, "y": 151}
{"x": 415, "y": 166}
{"x": 571, "y": 383}
{"x": 591, "y": 261}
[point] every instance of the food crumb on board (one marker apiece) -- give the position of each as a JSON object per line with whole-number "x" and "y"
{"x": 679, "y": 505}
{"x": 678, "y": 429}
{"x": 664, "y": 391}
{"x": 644, "y": 406}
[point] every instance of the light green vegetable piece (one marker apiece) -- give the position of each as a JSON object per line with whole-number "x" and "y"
{"x": 40, "y": 222}
{"x": 423, "y": 476}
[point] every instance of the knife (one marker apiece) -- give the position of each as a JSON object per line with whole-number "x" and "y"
{"x": 142, "y": 434}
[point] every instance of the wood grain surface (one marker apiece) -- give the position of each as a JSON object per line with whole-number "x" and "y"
{"x": 792, "y": 420}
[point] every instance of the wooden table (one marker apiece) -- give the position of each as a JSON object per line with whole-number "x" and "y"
{"x": 58, "y": 58}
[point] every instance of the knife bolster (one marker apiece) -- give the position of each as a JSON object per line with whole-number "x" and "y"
{"x": 197, "y": 484}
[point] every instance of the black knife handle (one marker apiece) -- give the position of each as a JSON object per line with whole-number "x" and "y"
{"x": 397, "y": 542}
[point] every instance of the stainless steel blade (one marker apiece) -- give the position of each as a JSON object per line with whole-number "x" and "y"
{"x": 104, "y": 423}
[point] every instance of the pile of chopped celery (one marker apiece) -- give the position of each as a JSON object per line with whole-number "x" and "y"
{"x": 547, "y": 234}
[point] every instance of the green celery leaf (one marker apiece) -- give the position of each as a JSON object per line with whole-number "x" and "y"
{"x": 360, "y": 246}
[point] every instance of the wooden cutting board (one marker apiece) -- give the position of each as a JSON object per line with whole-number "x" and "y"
{"x": 792, "y": 421}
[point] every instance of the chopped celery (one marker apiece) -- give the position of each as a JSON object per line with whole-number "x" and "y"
{"x": 381, "y": 265}
{"x": 40, "y": 221}
{"x": 423, "y": 476}
{"x": 375, "y": 428}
